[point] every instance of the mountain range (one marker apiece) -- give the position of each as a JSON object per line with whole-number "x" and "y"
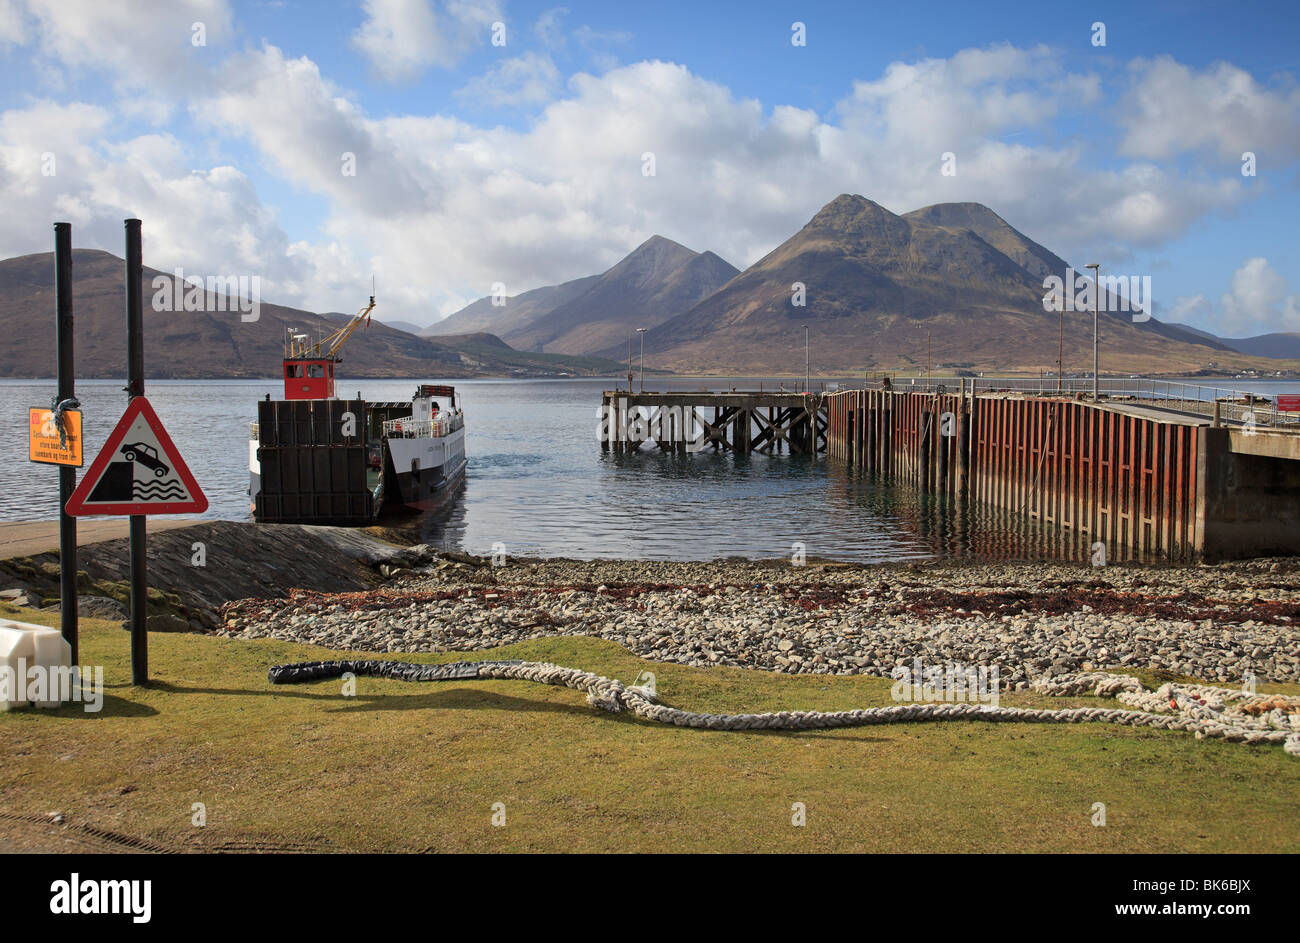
{"x": 657, "y": 280}
{"x": 952, "y": 285}
{"x": 219, "y": 343}
{"x": 1279, "y": 345}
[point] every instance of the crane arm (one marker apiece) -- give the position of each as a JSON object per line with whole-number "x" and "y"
{"x": 334, "y": 341}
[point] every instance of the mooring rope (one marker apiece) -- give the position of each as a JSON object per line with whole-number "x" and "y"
{"x": 1220, "y": 713}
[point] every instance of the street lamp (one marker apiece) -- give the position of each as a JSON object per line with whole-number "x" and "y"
{"x": 642, "y": 331}
{"x": 805, "y": 358}
{"x": 1096, "y": 304}
{"x": 1060, "y": 349}
{"x": 927, "y": 359}
{"x": 629, "y": 361}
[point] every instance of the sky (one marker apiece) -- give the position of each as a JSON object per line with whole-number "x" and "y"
{"x": 450, "y": 148}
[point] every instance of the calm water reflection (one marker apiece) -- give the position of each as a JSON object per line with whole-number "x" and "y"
{"x": 539, "y": 482}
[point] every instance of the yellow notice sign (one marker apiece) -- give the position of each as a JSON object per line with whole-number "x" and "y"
{"x": 44, "y": 443}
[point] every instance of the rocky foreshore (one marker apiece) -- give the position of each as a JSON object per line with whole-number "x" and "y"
{"x": 1215, "y": 623}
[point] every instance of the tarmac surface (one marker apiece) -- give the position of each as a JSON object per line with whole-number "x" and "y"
{"x": 27, "y": 538}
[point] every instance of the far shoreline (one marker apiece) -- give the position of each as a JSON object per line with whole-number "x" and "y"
{"x": 1289, "y": 377}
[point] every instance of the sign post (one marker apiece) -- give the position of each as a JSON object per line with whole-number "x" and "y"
{"x": 135, "y": 387}
{"x": 67, "y": 476}
{"x": 139, "y": 471}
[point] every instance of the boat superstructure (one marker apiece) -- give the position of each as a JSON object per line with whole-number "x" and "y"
{"x": 316, "y": 459}
{"x": 426, "y": 450}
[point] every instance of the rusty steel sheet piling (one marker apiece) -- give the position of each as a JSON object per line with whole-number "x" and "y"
{"x": 1138, "y": 478}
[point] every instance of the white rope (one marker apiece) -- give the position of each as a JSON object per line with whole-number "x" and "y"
{"x": 1220, "y": 713}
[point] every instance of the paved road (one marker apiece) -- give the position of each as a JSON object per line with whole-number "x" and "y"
{"x": 24, "y": 538}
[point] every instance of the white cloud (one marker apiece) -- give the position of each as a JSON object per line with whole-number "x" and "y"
{"x": 1189, "y": 309}
{"x": 402, "y": 38}
{"x": 12, "y": 29}
{"x": 152, "y": 43}
{"x": 209, "y": 220}
{"x": 440, "y": 208}
{"x": 549, "y": 30}
{"x": 1172, "y": 109}
{"x": 596, "y": 44}
{"x": 938, "y": 105}
{"x": 1258, "y": 301}
{"x": 306, "y": 128}
{"x": 530, "y": 79}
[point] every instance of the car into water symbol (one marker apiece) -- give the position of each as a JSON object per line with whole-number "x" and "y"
{"x": 146, "y": 455}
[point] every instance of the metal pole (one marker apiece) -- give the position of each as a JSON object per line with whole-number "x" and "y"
{"x": 805, "y": 358}
{"x": 641, "y": 331}
{"x": 1060, "y": 351}
{"x": 629, "y": 360}
{"x": 67, "y": 474}
{"x": 135, "y": 387}
{"x": 1096, "y": 305}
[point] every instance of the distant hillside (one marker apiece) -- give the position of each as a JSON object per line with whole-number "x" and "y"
{"x": 1277, "y": 346}
{"x": 519, "y": 310}
{"x": 880, "y": 287}
{"x": 406, "y": 326}
{"x": 657, "y": 280}
{"x": 483, "y": 349}
{"x": 214, "y": 343}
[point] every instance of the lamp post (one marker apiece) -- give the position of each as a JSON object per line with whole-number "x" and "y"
{"x": 805, "y": 358}
{"x": 1096, "y": 304}
{"x": 629, "y": 361}
{"x": 927, "y": 360}
{"x": 642, "y": 331}
{"x": 1060, "y": 349}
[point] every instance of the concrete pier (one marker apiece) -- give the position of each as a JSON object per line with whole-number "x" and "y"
{"x": 1138, "y": 477}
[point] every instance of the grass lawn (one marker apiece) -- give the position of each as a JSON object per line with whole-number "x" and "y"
{"x": 414, "y": 767}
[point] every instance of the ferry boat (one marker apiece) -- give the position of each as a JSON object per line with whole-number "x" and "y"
{"x": 316, "y": 459}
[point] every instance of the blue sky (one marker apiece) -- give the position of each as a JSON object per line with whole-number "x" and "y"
{"x": 522, "y": 163}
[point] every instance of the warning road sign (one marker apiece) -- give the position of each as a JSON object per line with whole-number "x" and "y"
{"x": 138, "y": 471}
{"x": 44, "y": 443}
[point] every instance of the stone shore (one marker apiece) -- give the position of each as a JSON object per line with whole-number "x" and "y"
{"x": 1217, "y": 623}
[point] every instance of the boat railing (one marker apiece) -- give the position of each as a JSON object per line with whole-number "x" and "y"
{"x": 409, "y": 428}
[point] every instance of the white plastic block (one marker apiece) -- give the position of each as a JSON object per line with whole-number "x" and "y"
{"x": 23, "y": 645}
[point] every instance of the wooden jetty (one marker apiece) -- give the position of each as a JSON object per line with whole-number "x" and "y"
{"x": 775, "y": 422}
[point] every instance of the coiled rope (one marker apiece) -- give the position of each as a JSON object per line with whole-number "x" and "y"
{"x": 58, "y": 407}
{"x": 1219, "y": 713}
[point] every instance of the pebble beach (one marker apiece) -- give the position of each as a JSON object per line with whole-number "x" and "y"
{"x": 1216, "y": 623}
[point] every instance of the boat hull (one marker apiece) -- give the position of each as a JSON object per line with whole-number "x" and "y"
{"x": 304, "y": 470}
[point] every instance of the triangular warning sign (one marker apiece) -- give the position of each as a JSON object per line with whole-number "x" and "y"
{"x": 138, "y": 471}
